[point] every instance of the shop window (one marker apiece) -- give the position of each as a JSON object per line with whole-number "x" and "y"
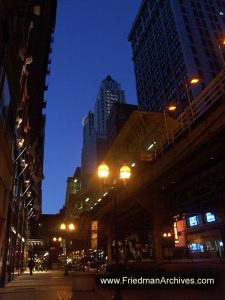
{"x": 195, "y": 247}
{"x": 5, "y": 99}
{"x": 210, "y": 217}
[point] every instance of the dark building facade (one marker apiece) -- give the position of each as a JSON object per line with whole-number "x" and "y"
{"x": 173, "y": 41}
{"x": 119, "y": 114}
{"x": 26, "y": 36}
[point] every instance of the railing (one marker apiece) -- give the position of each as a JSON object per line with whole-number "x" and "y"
{"x": 211, "y": 94}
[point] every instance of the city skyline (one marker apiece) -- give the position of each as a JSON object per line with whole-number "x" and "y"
{"x": 77, "y": 90}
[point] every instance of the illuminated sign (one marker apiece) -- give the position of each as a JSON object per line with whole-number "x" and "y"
{"x": 196, "y": 247}
{"x": 193, "y": 221}
{"x": 210, "y": 217}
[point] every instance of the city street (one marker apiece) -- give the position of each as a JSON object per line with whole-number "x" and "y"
{"x": 54, "y": 285}
{"x": 112, "y": 150}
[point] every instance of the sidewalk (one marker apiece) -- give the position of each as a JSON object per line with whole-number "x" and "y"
{"x": 53, "y": 285}
{"x": 41, "y": 285}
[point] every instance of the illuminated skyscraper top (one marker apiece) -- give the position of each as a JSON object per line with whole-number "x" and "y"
{"x": 109, "y": 93}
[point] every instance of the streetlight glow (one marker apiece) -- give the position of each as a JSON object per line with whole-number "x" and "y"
{"x": 71, "y": 226}
{"x": 172, "y": 107}
{"x": 59, "y": 239}
{"x": 125, "y": 172}
{"x": 63, "y": 226}
{"x": 194, "y": 80}
{"x": 54, "y": 239}
{"x": 103, "y": 170}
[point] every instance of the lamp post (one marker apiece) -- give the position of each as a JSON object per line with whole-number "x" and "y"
{"x": 171, "y": 107}
{"x": 187, "y": 83}
{"x": 67, "y": 228}
{"x": 221, "y": 44}
{"x": 125, "y": 173}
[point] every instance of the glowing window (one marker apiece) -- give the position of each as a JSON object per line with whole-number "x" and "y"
{"x": 210, "y": 217}
{"x": 193, "y": 221}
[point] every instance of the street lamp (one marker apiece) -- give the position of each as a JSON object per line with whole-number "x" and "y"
{"x": 63, "y": 227}
{"x": 221, "y": 44}
{"x": 170, "y": 107}
{"x": 103, "y": 170}
{"x": 71, "y": 226}
{"x": 125, "y": 173}
{"x": 187, "y": 83}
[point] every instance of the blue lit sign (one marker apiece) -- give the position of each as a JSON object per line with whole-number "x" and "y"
{"x": 210, "y": 217}
{"x": 196, "y": 247}
{"x": 193, "y": 221}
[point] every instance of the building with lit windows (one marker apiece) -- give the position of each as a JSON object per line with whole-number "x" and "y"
{"x": 109, "y": 93}
{"x": 173, "y": 41}
{"x": 26, "y": 43}
{"x": 199, "y": 235}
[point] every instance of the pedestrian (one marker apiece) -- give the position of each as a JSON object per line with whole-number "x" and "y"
{"x": 45, "y": 265}
{"x": 31, "y": 266}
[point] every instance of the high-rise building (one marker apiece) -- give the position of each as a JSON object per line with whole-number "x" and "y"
{"x": 109, "y": 93}
{"x": 173, "y": 41}
{"x": 119, "y": 114}
{"x": 88, "y": 156}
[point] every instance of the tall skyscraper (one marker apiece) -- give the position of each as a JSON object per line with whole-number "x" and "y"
{"x": 109, "y": 93}
{"x": 171, "y": 42}
{"x": 88, "y": 156}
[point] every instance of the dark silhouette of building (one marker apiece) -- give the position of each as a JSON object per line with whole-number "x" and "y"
{"x": 118, "y": 116}
{"x": 26, "y": 37}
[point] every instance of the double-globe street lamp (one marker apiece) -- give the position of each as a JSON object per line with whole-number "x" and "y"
{"x": 125, "y": 173}
{"x": 67, "y": 228}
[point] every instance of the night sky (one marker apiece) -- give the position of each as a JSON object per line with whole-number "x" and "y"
{"x": 90, "y": 42}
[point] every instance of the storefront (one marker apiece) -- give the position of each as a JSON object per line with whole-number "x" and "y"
{"x": 206, "y": 244}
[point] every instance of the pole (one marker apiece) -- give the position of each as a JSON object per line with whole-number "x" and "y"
{"x": 117, "y": 292}
{"x": 221, "y": 53}
{"x": 66, "y": 265}
{"x": 189, "y": 100}
{"x": 164, "y": 113}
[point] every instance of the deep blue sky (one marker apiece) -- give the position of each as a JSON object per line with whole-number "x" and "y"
{"x": 90, "y": 42}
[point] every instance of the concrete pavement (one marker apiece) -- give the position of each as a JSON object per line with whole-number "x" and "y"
{"x": 53, "y": 285}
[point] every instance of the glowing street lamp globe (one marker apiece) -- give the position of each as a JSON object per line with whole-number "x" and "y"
{"x": 172, "y": 107}
{"x": 125, "y": 172}
{"x": 54, "y": 239}
{"x": 103, "y": 170}
{"x": 194, "y": 80}
{"x": 63, "y": 226}
{"x": 71, "y": 226}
